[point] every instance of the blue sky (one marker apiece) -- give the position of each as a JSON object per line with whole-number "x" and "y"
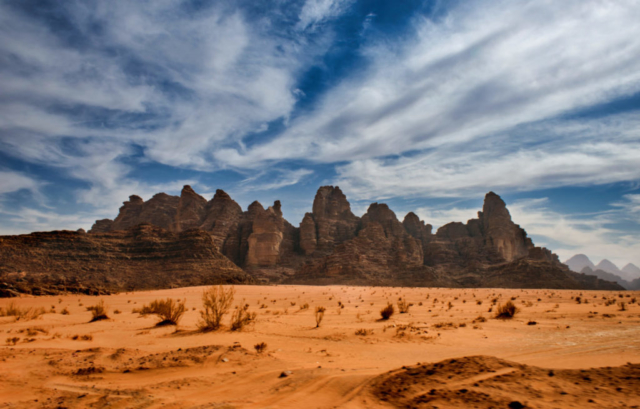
{"x": 425, "y": 105}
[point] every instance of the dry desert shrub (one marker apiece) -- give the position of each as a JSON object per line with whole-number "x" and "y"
{"x": 216, "y": 302}
{"x": 13, "y": 341}
{"x": 364, "y": 332}
{"x": 444, "y": 325}
{"x": 319, "y": 315}
{"x": 260, "y": 348}
{"x": 304, "y": 306}
{"x": 480, "y": 318}
{"x": 387, "y": 311}
{"x": 168, "y": 311}
{"x": 403, "y": 306}
{"x": 27, "y": 314}
{"x": 622, "y": 306}
{"x": 99, "y": 311}
{"x": 506, "y": 311}
{"x": 242, "y": 317}
{"x": 82, "y": 337}
{"x": 33, "y": 331}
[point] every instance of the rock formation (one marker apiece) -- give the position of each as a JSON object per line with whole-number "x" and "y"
{"x": 332, "y": 245}
{"x": 142, "y": 257}
{"x": 331, "y": 222}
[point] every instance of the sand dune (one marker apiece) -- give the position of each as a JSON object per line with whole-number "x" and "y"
{"x": 454, "y": 355}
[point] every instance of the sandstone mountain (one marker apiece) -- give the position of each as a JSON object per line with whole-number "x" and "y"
{"x": 330, "y": 246}
{"x": 142, "y": 257}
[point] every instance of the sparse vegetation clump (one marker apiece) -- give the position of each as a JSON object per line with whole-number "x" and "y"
{"x": 480, "y": 318}
{"x": 168, "y": 311}
{"x": 387, "y": 311}
{"x": 363, "y": 332}
{"x": 403, "y": 306}
{"x": 12, "y": 340}
{"x": 622, "y": 306}
{"x": 99, "y": 311}
{"x": 319, "y": 315}
{"x": 27, "y": 314}
{"x": 506, "y": 311}
{"x": 260, "y": 348}
{"x": 242, "y": 317}
{"x": 216, "y": 302}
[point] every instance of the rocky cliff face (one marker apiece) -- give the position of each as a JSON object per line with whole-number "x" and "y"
{"x": 331, "y": 222}
{"x": 142, "y": 257}
{"x": 334, "y": 245}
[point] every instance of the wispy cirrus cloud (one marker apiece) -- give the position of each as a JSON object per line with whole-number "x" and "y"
{"x": 460, "y": 83}
{"x": 157, "y": 77}
{"x": 318, "y": 11}
{"x": 11, "y": 181}
{"x": 275, "y": 179}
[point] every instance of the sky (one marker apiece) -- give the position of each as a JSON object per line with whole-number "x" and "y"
{"x": 424, "y": 105}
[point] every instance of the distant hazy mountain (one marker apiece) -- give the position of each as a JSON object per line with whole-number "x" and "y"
{"x": 578, "y": 262}
{"x": 632, "y": 271}
{"x": 606, "y": 270}
{"x": 605, "y": 275}
{"x": 609, "y": 267}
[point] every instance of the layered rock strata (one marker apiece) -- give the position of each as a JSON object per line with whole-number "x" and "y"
{"x": 333, "y": 245}
{"x": 142, "y": 257}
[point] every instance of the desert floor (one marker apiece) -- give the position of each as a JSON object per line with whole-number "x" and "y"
{"x": 439, "y": 354}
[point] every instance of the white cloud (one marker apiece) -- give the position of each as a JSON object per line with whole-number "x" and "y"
{"x": 630, "y": 204}
{"x": 228, "y": 77}
{"x": 546, "y": 155}
{"x": 27, "y": 220}
{"x": 460, "y": 85}
{"x": 319, "y": 11}
{"x": 14, "y": 181}
{"x": 275, "y": 180}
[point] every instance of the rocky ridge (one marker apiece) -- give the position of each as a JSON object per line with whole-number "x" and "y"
{"x": 332, "y": 245}
{"x": 139, "y": 258}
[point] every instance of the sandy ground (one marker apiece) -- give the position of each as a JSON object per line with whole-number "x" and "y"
{"x": 128, "y": 362}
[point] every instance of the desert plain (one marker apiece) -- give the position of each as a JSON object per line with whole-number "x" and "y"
{"x": 562, "y": 349}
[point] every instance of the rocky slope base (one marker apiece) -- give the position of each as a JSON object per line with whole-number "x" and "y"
{"x": 143, "y": 257}
{"x": 210, "y": 241}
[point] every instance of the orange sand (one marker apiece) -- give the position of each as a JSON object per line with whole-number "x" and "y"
{"x": 147, "y": 367}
